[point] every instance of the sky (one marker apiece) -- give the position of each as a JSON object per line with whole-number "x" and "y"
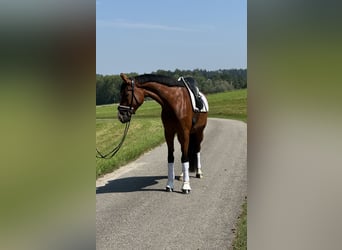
{"x": 144, "y": 36}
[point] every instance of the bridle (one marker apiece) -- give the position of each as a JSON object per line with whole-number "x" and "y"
{"x": 122, "y": 108}
{"x": 129, "y": 109}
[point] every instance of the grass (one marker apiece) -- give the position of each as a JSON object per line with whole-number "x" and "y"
{"x": 229, "y": 105}
{"x": 109, "y": 132}
{"x": 240, "y": 241}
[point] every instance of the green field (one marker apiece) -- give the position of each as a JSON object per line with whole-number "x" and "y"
{"x": 109, "y": 131}
{"x": 231, "y": 105}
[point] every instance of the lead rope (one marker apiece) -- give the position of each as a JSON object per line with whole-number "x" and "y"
{"x": 110, "y": 154}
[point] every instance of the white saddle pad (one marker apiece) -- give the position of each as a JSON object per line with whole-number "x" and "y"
{"x": 205, "y": 107}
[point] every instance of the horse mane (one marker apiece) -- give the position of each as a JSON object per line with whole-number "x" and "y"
{"x": 165, "y": 80}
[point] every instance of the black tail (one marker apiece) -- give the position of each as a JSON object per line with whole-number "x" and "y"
{"x": 192, "y": 153}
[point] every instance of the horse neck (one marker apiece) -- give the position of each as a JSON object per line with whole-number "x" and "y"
{"x": 158, "y": 92}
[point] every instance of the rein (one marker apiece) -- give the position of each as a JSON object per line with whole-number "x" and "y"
{"x": 129, "y": 109}
{"x": 110, "y": 154}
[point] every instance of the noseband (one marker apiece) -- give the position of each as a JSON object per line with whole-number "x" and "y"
{"x": 129, "y": 109}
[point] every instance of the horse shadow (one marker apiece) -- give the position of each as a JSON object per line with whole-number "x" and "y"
{"x": 131, "y": 184}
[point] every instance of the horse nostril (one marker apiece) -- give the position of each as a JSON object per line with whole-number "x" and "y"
{"x": 120, "y": 117}
{"x": 124, "y": 117}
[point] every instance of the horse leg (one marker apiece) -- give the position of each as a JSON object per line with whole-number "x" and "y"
{"x": 169, "y": 137}
{"x": 186, "y": 180}
{"x": 199, "y": 173}
{"x": 184, "y": 141}
{"x": 180, "y": 176}
{"x": 199, "y": 138}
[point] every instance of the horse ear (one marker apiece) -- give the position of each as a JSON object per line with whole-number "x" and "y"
{"x": 125, "y": 78}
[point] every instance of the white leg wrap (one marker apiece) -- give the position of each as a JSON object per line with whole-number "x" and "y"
{"x": 186, "y": 180}
{"x": 199, "y": 160}
{"x": 185, "y": 169}
{"x": 171, "y": 174}
{"x": 199, "y": 173}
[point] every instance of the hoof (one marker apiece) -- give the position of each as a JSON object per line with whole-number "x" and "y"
{"x": 199, "y": 173}
{"x": 186, "y": 188}
{"x": 186, "y": 191}
{"x": 168, "y": 189}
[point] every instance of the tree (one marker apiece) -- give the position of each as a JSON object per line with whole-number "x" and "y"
{"x": 108, "y": 86}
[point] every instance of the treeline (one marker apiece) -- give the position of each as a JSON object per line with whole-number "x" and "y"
{"x": 108, "y": 86}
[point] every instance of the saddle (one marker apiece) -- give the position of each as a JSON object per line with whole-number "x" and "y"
{"x": 191, "y": 85}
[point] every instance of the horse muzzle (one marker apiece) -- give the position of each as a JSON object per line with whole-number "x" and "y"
{"x": 125, "y": 113}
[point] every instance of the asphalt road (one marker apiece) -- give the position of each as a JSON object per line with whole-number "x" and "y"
{"x": 134, "y": 212}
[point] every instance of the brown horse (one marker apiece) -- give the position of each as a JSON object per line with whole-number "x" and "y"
{"x": 177, "y": 115}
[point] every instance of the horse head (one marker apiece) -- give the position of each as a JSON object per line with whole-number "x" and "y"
{"x": 131, "y": 98}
